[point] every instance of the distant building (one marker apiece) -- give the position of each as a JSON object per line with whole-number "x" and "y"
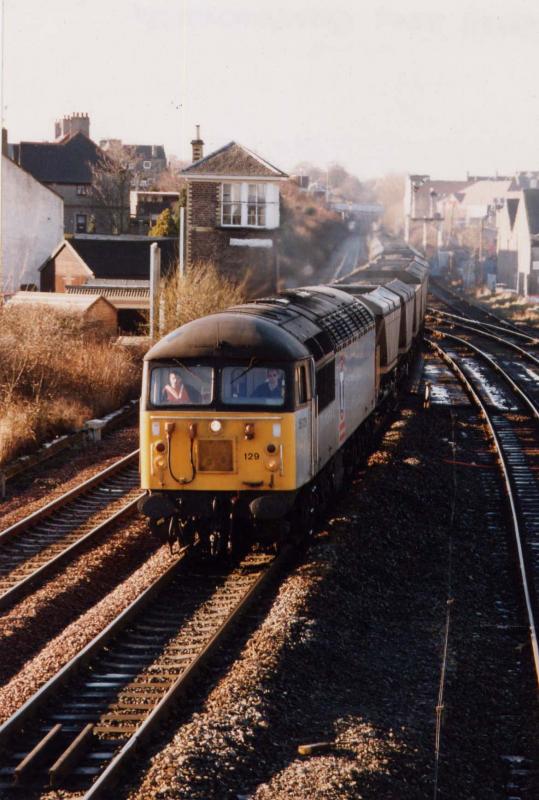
{"x": 526, "y": 228}
{"x": 146, "y": 162}
{"x": 31, "y": 225}
{"x": 233, "y": 214}
{"x": 507, "y": 242}
{"x": 116, "y": 267}
{"x": 145, "y": 207}
{"x": 65, "y": 166}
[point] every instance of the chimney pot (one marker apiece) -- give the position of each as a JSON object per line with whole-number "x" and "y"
{"x": 198, "y": 146}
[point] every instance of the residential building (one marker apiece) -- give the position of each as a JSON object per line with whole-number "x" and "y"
{"x": 423, "y": 219}
{"x": 32, "y": 225}
{"x": 66, "y": 166}
{"x": 233, "y": 214}
{"x": 507, "y": 242}
{"x": 526, "y": 228}
{"x": 145, "y": 207}
{"x": 145, "y": 162}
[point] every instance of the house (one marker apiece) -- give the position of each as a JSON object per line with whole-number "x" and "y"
{"x": 66, "y": 166}
{"x": 95, "y": 311}
{"x": 506, "y": 244}
{"x": 145, "y": 162}
{"x": 116, "y": 267}
{"x": 427, "y": 213}
{"x": 233, "y": 214}
{"x": 145, "y": 207}
{"x": 526, "y": 231}
{"x": 32, "y": 225}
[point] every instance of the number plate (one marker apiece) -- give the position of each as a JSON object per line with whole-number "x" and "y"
{"x": 215, "y": 455}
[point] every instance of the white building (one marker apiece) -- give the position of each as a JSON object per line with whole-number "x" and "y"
{"x": 32, "y": 226}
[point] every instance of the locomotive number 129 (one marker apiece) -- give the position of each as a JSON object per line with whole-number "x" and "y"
{"x": 251, "y": 456}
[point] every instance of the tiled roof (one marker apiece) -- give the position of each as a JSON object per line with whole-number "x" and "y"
{"x": 66, "y": 161}
{"x": 234, "y": 159}
{"x": 148, "y": 151}
{"x": 485, "y": 192}
{"x": 531, "y": 202}
{"x": 121, "y": 258}
{"x": 59, "y": 300}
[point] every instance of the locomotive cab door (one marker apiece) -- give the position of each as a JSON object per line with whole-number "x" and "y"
{"x": 305, "y": 456}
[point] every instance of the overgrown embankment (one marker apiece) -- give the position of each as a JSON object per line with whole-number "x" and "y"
{"x": 55, "y": 374}
{"x": 310, "y": 233}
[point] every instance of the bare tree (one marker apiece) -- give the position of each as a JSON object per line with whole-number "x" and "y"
{"x": 111, "y": 179}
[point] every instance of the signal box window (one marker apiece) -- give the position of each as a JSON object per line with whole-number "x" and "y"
{"x": 231, "y": 204}
{"x": 179, "y": 386}
{"x": 258, "y": 386}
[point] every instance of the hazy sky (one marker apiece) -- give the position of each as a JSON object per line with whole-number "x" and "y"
{"x": 408, "y": 85}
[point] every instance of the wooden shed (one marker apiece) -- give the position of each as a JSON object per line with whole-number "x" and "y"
{"x": 94, "y": 309}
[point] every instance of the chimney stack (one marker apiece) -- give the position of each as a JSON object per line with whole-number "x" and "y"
{"x": 72, "y": 124}
{"x": 198, "y": 146}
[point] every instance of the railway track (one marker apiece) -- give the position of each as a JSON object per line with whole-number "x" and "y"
{"x": 43, "y": 541}
{"x": 474, "y": 311}
{"x": 511, "y": 338}
{"x": 81, "y": 728}
{"x": 511, "y": 417}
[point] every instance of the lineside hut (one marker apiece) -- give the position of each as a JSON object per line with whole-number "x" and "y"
{"x": 96, "y": 312}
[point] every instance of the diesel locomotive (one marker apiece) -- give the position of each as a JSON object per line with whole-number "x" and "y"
{"x": 251, "y": 418}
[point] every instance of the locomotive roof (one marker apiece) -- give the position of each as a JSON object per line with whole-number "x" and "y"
{"x": 315, "y": 321}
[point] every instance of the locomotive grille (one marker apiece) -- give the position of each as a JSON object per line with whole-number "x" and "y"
{"x": 215, "y": 455}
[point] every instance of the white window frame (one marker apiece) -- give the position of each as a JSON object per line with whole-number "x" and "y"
{"x": 258, "y": 204}
{"x": 146, "y": 165}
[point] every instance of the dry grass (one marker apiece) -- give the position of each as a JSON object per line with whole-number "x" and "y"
{"x": 203, "y": 290}
{"x": 511, "y": 306}
{"x": 55, "y": 374}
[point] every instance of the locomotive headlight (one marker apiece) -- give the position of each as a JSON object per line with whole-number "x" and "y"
{"x": 273, "y": 464}
{"x": 216, "y": 426}
{"x": 160, "y": 462}
{"x": 160, "y": 447}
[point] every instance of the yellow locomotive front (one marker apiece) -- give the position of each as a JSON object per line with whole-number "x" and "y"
{"x": 220, "y": 455}
{"x": 190, "y": 440}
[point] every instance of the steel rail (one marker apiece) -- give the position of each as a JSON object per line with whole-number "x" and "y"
{"x": 102, "y": 647}
{"x": 485, "y": 356}
{"x": 19, "y": 589}
{"x": 108, "y": 778}
{"x": 465, "y": 322}
{"x": 9, "y": 538}
{"x": 523, "y": 567}
{"x": 505, "y": 323}
{"x": 34, "y": 703}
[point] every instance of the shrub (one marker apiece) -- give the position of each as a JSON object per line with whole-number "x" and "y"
{"x": 201, "y": 291}
{"x": 54, "y": 374}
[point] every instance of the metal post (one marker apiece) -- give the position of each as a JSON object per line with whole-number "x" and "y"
{"x": 155, "y": 277}
{"x": 181, "y": 244}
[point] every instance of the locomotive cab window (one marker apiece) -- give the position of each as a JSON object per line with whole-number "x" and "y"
{"x": 253, "y": 386}
{"x": 185, "y": 385}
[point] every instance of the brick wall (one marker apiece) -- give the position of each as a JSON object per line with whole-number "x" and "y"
{"x": 64, "y": 269}
{"x": 208, "y": 241}
{"x": 103, "y": 316}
